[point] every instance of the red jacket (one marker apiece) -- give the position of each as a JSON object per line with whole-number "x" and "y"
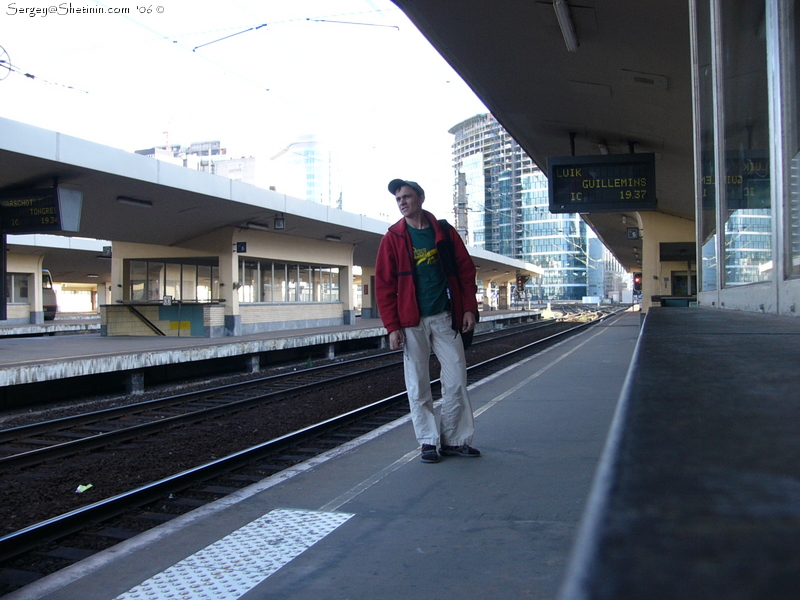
{"x": 395, "y": 279}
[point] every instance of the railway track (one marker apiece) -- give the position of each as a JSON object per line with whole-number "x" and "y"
{"x": 34, "y": 444}
{"x": 57, "y": 542}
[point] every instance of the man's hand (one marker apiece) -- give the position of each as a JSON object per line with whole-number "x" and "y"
{"x": 469, "y": 322}
{"x": 396, "y": 339}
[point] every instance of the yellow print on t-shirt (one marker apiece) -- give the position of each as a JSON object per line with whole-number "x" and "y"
{"x": 424, "y": 256}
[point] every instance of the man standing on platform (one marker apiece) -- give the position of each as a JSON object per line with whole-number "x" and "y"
{"x": 426, "y": 293}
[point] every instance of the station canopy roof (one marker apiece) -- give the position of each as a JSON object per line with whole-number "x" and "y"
{"x": 626, "y": 81}
{"x": 133, "y": 198}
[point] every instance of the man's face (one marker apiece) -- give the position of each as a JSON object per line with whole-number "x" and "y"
{"x": 408, "y": 201}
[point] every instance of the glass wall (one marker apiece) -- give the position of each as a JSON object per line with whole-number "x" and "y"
{"x": 190, "y": 287}
{"x": 151, "y": 280}
{"x": 291, "y": 283}
{"x": 207, "y": 282}
{"x": 279, "y": 284}
{"x": 746, "y": 143}
{"x": 266, "y": 281}
{"x": 249, "y": 278}
{"x": 733, "y": 133}
{"x": 172, "y": 287}
{"x": 137, "y": 271}
{"x": 155, "y": 280}
{"x": 707, "y": 230}
{"x": 17, "y": 288}
{"x": 304, "y": 290}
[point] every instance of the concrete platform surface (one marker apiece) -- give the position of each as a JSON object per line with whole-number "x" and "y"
{"x": 26, "y": 360}
{"x": 371, "y": 521}
{"x": 700, "y": 489}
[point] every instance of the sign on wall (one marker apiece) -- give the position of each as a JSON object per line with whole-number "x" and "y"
{"x": 40, "y": 210}
{"x": 610, "y": 183}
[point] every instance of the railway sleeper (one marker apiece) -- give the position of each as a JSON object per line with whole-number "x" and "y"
{"x": 65, "y": 553}
{"x": 17, "y": 578}
{"x": 114, "y": 533}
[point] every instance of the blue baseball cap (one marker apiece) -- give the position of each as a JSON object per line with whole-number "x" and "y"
{"x": 396, "y": 184}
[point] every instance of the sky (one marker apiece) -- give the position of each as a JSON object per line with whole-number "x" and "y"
{"x": 254, "y": 74}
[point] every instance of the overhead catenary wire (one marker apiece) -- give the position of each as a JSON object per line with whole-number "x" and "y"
{"x": 5, "y": 63}
{"x": 228, "y": 36}
{"x": 208, "y": 59}
{"x": 353, "y": 23}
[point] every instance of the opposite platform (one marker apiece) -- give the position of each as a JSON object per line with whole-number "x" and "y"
{"x": 371, "y": 521}
{"x": 40, "y": 359}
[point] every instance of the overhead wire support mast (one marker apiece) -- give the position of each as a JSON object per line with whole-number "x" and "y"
{"x": 229, "y": 36}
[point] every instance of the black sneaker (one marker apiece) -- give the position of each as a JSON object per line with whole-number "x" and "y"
{"x": 429, "y": 454}
{"x": 463, "y": 450}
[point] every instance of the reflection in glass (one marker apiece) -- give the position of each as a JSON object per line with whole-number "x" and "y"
{"x": 138, "y": 279}
{"x": 189, "y": 279}
{"x": 291, "y": 283}
{"x": 316, "y": 284}
{"x": 279, "y": 284}
{"x": 204, "y": 283}
{"x": 155, "y": 280}
{"x": 304, "y": 284}
{"x": 173, "y": 282}
{"x": 746, "y": 197}
{"x": 249, "y": 277}
{"x": 266, "y": 282}
{"x": 189, "y": 282}
{"x": 334, "y": 284}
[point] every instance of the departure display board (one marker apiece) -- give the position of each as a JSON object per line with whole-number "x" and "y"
{"x": 610, "y": 183}
{"x": 40, "y": 210}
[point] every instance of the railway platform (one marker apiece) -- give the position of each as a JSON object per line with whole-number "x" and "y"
{"x": 369, "y": 520}
{"x": 25, "y": 360}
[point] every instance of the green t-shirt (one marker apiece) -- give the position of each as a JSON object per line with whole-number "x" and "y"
{"x": 431, "y": 283}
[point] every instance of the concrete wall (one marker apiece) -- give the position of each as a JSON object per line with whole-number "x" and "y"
{"x": 655, "y": 228}
{"x": 257, "y": 318}
{"x": 175, "y": 321}
{"x": 33, "y": 312}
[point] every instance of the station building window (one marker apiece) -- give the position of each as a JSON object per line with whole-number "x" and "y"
{"x": 267, "y": 281}
{"x": 138, "y": 280}
{"x": 732, "y": 103}
{"x": 747, "y": 198}
{"x": 155, "y": 281}
{"x": 207, "y": 283}
{"x": 183, "y": 280}
{"x": 17, "y": 288}
{"x": 279, "y": 285}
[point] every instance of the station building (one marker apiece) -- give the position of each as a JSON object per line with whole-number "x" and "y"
{"x": 195, "y": 254}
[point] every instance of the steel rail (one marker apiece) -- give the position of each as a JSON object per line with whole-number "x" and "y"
{"x": 93, "y": 417}
{"x": 93, "y": 442}
{"x": 25, "y": 539}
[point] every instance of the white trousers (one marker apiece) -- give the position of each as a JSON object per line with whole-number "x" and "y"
{"x": 457, "y": 425}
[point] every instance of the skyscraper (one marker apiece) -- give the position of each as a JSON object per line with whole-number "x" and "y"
{"x": 501, "y": 205}
{"x": 307, "y": 169}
